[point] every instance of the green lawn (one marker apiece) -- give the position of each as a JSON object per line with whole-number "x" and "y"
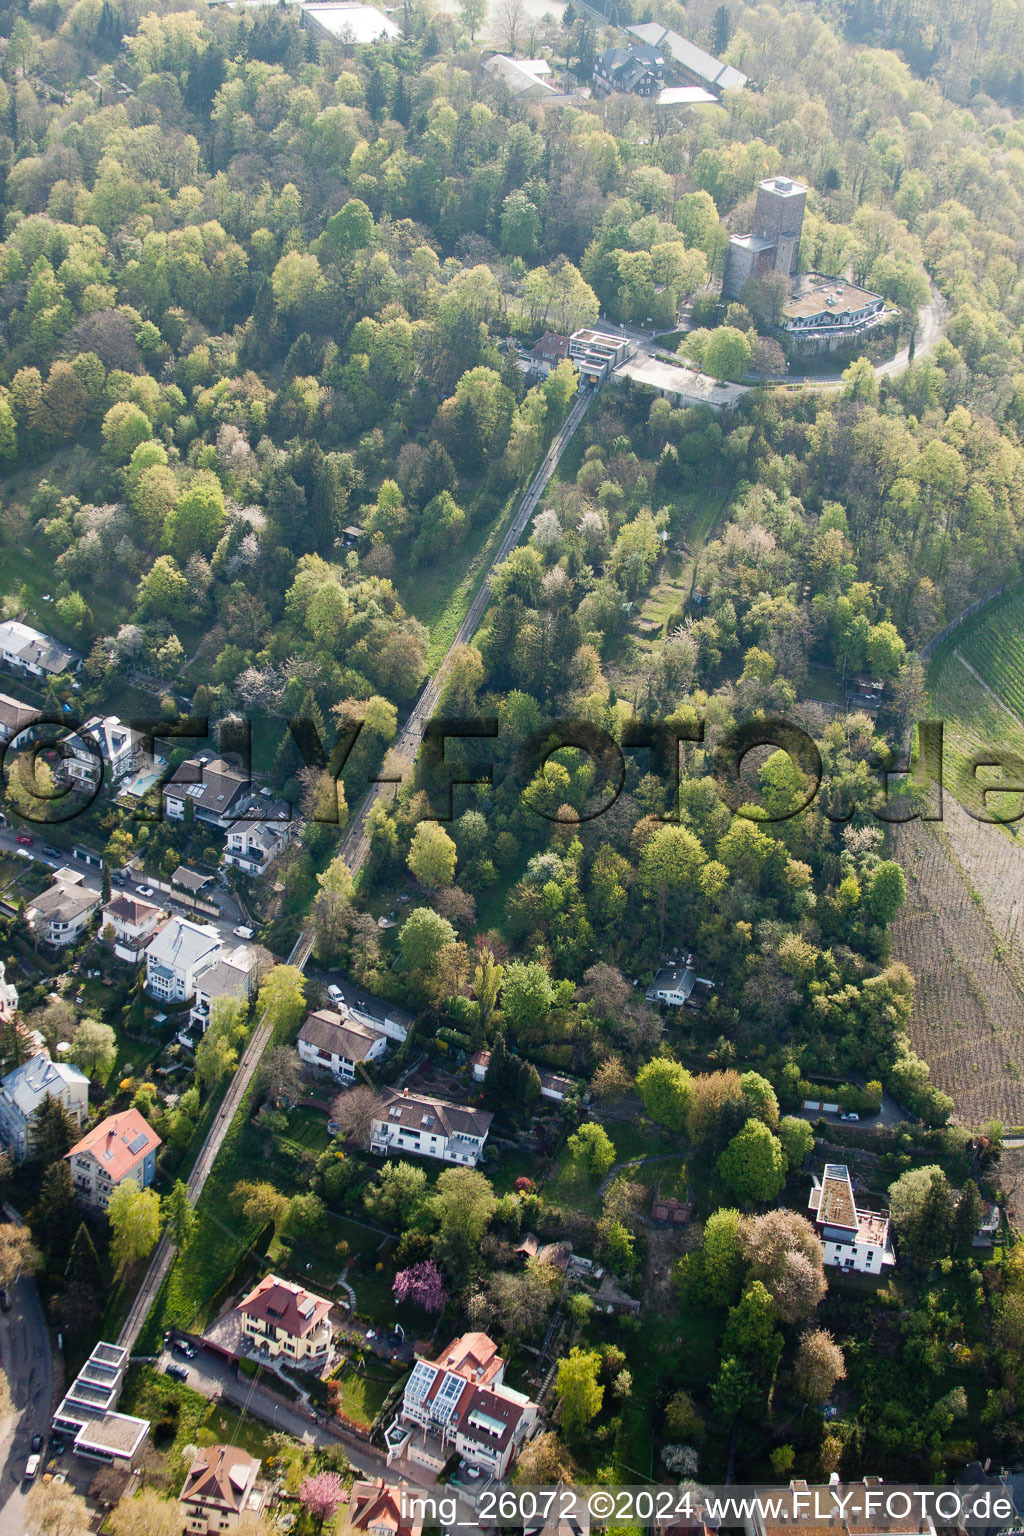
{"x": 363, "y": 1394}
{"x": 664, "y": 1355}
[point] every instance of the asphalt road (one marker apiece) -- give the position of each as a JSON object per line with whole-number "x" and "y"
{"x": 25, "y": 1353}
{"x": 93, "y": 880}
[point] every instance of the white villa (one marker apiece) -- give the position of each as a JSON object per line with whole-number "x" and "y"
{"x": 413, "y": 1122}
{"x": 177, "y": 956}
{"x": 852, "y": 1239}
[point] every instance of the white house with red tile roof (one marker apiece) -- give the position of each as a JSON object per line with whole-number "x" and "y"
{"x": 460, "y": 1403}
{"x": 220, "y": 1487}
{"x": 281, "y": 1318}
{"x": 123, "y": 1146}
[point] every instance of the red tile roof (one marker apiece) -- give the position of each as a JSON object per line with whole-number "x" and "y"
{"x": 377, "y": 1506}
{"x": 286, "y": 1306}
{"x": 221, "y": 1476}
{"x": 118, "y": 1143}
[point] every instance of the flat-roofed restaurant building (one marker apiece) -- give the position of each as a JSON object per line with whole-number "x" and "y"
{"x": 87, "y": 1412}
{"x": 596, "y": 353}
{"x": 852, "y": 1239}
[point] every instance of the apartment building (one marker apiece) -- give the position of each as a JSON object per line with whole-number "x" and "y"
{"x": 460, "y": 1403}
{"x": 215, "y": 788}
{"x": 263, "y": 830}
{"x": 87, "y": 1414}
{"x": 414, "y": 1122}
{"x": 131, "y": 923}
{"x": 120, "y": 752}
{"x": 377, "y": 1508}
{"x": 123, "y": 1146}
{"x": 232, "y": 974}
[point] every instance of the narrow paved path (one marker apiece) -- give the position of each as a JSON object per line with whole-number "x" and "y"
{"x": 355, "y": 850}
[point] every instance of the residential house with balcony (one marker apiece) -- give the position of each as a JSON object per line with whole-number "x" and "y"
{"x": 133, "y": 923}
{"x": 263, "y": 830}
{"x": 25, "y": 1090}
{"x": 215, "y": 788}
{"x": 26, "y": 650}
{"x": 337, "y": 1042}
{"x": 123, "y": 1146}
{"x": 120, "y": 752}
{"x": 459, "y": 1403}
{"x": 414, "y": 1122}
{"x": 61, "y": 914}
{"x": 281, "y": 1318}
{"x": 220, "y": 1487}
{"x": 176, "y": 957}
{"x": 232, "y": 974}
{"x": 852, "y": 1239}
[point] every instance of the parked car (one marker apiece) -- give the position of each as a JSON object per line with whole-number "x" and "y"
{"x": 37, "y": 1443}
{"x": 241, "y": 932}
{"x": 24, "y": 839}
{"x": 183, "y": 1347}
{"x": 849, "y": 1115}
{"x": 335, "y": 994}
{"x": 118, "y": 877}
{"x": 51, "y": 850}
{"x": 58, "y": 1445}
{"x": 5, "y": 1300}
{"x": 31, "y": 1466}
{"x": 176, "y": 1372}
{"x": 144, "y": 890}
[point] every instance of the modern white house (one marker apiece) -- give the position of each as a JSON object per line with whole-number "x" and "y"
{"x": 25, "y": 649}
{"x": 120, "y": 752}
{"x": 852, "y": 1239}
{"x": 232, "y": 974}
{"x": 123, "y": 1146}
{"x": 264, "y": 828}
{"x": 176, "y": 957}
{"x": 133, "y": 921}
{"x": 25, "y": 1090}
{"x": 60, "y": 915}
{"x": 459, "y": 1403}
{"x": 337, "y": 1042}
{"x": 413, "y": 1122}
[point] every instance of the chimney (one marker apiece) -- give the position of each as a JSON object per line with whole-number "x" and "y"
{"x": 405, "y": 1093}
